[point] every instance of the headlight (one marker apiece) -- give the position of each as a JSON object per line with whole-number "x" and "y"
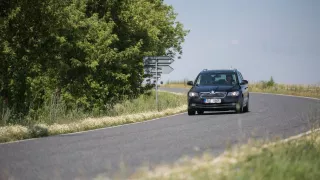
{"x": 235, "y": 93}
{"x": 193, "y": 94}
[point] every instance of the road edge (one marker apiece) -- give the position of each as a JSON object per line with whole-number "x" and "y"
{"x": 154, "y": 119}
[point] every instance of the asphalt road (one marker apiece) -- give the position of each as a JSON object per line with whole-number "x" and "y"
{"x": 85, "y": 155}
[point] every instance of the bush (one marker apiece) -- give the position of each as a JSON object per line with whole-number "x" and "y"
{"x": 271, "y": 82}
{"x": 268, "y": 84}
{"x": 39, "y": 130}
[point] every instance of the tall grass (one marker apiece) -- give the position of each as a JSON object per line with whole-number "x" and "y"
{"x": 54, "y": 120}
{"x": 147, "y": 103}
{"x": 55, "y": 111}
{"x": 5, "y": 113}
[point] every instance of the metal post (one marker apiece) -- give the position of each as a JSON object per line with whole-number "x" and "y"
{"x": 157, "y": 84}
{"x": 155, "y": 62}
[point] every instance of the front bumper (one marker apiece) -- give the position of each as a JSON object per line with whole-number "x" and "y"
{"x": 227, "y": 103}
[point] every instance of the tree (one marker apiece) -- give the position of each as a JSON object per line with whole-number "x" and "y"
{"x": 271, "y": 82}
{"x": 87, "y": 53}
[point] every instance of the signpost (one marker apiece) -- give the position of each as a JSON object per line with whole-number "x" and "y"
{"x": 155, "y": 66}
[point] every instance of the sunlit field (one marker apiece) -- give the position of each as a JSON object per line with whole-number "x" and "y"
{"x": 267, "y": 87}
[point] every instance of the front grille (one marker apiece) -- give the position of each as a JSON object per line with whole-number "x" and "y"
{"x": 214, "y": 95}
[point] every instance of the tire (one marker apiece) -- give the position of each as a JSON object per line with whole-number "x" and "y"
{"x": 191, "y": 113}
{"x": 246, "y": 109}
{"x": 200, "y": 112}
{"x": 239, "y": 108}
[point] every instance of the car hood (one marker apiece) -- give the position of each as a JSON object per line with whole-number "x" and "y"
{"x": 214, "y": 88}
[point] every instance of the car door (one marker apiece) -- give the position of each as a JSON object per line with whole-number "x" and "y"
{"x": 244, "y": 88}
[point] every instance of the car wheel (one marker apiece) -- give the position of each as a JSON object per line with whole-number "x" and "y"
{"x": 191, "y": 113}
{"x": 239, "y": 107}
{"x": 200, "y": 112}
{"x": 246, "y": 109}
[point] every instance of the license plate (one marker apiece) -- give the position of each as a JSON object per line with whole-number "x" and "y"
{"x": 212, "y": 101}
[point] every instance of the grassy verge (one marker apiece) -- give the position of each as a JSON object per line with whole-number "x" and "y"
{"x": 141, "y": 109}
{"x": 176, "y": 86}
{"x": 55, "y": 111}
{"x": 296, "y": 90}
{"x": 293, "y": 159}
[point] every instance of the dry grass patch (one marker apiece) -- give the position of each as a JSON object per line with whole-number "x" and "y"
{"x": 94, "y": 123}
{"x": 296, "y": 158}
{"x": 11, "y": 133}
{"x": 295, "y": 90}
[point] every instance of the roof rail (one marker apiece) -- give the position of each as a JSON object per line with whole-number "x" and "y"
{"x": 235, "y": 69}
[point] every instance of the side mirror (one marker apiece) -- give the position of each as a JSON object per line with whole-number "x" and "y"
{"x": 244, "y": 82}
{"x": 190, "y": 83}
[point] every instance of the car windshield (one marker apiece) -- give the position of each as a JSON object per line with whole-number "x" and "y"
{"x": 210, "y": 79}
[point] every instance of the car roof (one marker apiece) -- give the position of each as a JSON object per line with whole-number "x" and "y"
{"x": 220, "y": 71}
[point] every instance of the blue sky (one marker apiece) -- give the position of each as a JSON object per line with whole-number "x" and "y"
{"x": 260, "y": 38}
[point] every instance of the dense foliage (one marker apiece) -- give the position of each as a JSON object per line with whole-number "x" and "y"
{"x": 86, "y": 53}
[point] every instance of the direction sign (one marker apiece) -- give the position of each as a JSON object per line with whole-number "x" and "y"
{"x": 159, "y": 73}
{"x": 149, "y": 71}
{"x": 154, "y": 68}
{"x": 163, "y": 70}
{"x": 148, "y": 66}
{"x": 166, "y": 69}
{"x": 153, "y": 62}
{"x": 154, "y": 65}
{"x": 160, "y": 59}
{"x": 156, "y": 57}
{"x": 157, "y": 65}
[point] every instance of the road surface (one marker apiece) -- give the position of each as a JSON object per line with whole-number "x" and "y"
{"x": 85, "y": 155}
